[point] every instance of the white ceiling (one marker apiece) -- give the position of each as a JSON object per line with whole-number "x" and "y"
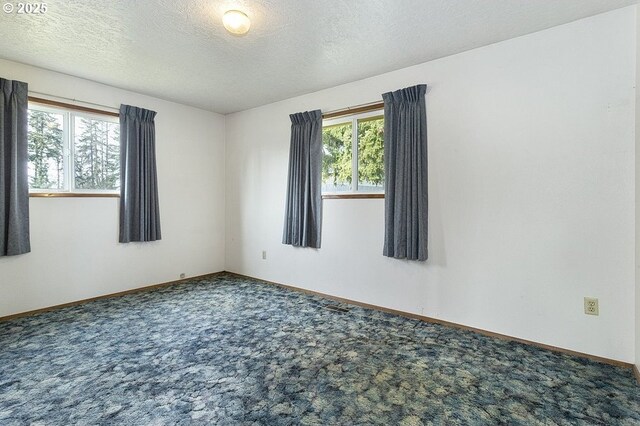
{"x": 178, "y": 49}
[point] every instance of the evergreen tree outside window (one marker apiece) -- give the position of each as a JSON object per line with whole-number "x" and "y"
{"x": 73, "y": 151}
{"x": 96, "y": 151}
{"x": 353, "y": 154}
{"x": 46, "y": 149}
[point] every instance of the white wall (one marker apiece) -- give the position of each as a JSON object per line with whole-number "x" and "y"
{"x": 75, "y": 253}
{"x": 531, "y": 156}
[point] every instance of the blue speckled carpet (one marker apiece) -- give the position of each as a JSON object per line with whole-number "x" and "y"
{"x": 231, "y": 351}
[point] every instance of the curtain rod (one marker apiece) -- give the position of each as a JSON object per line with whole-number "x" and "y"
{"x": 371, "y": 106}
{"x": 73, "y": 100}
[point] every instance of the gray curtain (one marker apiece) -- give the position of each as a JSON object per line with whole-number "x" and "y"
{"x": 14, "y": 185}
{"x": 405, "y": 172}
{"x": 303, "y": 211}
{"x": 139, "y": 209}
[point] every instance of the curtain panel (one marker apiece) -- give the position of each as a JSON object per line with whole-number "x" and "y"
{"x": 139, "y": 207}
{"x": 14, "y": 184}
{"x": 303, "y": 211}
{"x": 405, "y": 171}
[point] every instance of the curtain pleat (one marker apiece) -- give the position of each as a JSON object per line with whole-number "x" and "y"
{"x": 405, "y": 170}
{"x": 303, "y": 210}
{"x": 14, "y": 157}
{"x": 139, "y": 206}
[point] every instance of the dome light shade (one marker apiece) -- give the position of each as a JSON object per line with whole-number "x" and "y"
{"x": 236, "y": 22}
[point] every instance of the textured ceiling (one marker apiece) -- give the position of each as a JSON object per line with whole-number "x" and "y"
{"x": 178, "y": 49}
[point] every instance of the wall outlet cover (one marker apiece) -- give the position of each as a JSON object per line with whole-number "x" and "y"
{"x": 591, "y": 306}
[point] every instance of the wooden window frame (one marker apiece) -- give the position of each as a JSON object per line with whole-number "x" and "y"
{"x": 354, "y": 114}
{"x": 72, "y": 193}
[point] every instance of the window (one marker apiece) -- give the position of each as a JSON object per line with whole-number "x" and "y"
{"x": 72, "y": 151}
{"x": 353, "y": 151}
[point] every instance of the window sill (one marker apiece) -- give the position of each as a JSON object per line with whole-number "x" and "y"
{"x": 74, "y": 194}
{"x": 351, "y": 196}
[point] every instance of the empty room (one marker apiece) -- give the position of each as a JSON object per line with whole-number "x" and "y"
{"x": 297, "y": 212}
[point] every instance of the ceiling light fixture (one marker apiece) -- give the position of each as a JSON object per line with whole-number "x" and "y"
{"x": 236, "y": 22}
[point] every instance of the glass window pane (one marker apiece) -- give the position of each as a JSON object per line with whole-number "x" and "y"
{"x": 96, "y": 154}
{"x": 336, "y": 161}
{"x": 46, "y": 150}
{"x": 371, "y": 154}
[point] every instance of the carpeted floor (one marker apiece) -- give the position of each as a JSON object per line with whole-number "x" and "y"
{"x": 231, "y": 351}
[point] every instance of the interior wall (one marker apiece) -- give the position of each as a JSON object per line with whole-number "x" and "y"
{"x": 74, "y": 241}
{"x": 531, "y": 188}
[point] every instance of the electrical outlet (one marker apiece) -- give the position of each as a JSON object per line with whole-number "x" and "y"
{"x": 591, "y": 306}
{"x": 182, "y": 275}
{"x": 264, "y": 254}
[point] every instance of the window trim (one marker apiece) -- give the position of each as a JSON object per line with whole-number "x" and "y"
{"x": 352, "y": 195}
{"x": 369, "y": 114}
{"x": 64, "y": 105}
{"x": 373, "y": 106}
{"x": 67, "y": 110}
{"x": 74, "y": 194}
